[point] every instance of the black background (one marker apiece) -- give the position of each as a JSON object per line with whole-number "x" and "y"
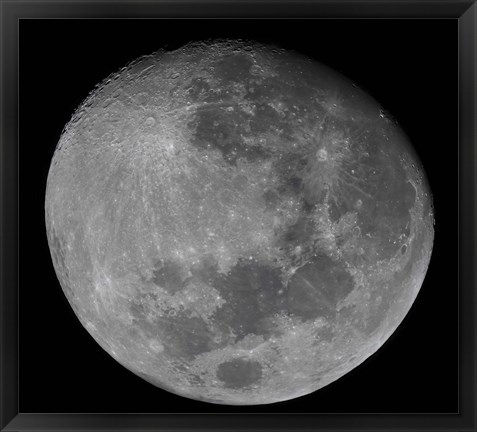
{"x": 410, "y": 66}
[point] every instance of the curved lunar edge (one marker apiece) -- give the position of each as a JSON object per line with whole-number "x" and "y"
{"x": 236, "y": 223}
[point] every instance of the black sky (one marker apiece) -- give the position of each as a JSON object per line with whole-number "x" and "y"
{"x": 410, "y": 66}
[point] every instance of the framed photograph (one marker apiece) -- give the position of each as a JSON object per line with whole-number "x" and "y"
{"x": 413, "y": 63}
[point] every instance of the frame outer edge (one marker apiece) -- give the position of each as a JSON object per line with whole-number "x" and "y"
{"x": 8, "y": 215}
{"x": 467, "y": 213}
{"x": 8, "y": 222}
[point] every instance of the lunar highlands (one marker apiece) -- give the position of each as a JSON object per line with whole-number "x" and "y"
{"x": 237, "y": 223}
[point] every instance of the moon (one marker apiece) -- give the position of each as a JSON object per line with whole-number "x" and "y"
{"x": 237, "y": 223}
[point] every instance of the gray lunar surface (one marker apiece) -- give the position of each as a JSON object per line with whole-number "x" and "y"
{"x": 236, "y": 223}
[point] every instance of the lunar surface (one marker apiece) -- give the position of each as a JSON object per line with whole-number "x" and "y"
{"x": 236, "y": 223}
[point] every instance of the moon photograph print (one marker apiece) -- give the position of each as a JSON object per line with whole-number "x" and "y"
{"x": 237, "y": 223}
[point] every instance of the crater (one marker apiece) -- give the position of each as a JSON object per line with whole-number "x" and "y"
{"x": 150, "y": 121}
{"x": 239, "y": 373}
{"x": 322, "y": 154}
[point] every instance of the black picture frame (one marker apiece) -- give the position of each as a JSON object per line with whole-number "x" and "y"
{"x": 278, "y": 418}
